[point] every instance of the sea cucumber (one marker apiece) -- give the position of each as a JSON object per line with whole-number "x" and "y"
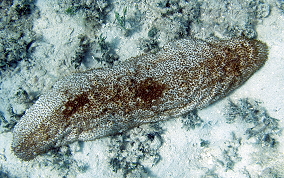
{"x": 186, "y": 74}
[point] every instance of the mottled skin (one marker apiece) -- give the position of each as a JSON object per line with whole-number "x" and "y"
{"x": 185, "y": 75}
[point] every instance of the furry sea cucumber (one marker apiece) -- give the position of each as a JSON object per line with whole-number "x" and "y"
{"x": 186, "y": 74}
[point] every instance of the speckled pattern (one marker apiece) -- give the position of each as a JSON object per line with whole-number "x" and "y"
{"x": 185, "y": 75}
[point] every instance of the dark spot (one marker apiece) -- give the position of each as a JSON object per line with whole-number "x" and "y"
{"x": 149, "y": 90}
{"x": 204, "y": 143}
{"x": 168, "y": 4}
{"x": 72, "y": 106}
{"x": 227, "y": 50}
{"x": 151, "y": 136}
{"x": 29, "y": 45}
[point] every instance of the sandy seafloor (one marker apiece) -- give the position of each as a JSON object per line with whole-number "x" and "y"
{"x": 229, "y": 152}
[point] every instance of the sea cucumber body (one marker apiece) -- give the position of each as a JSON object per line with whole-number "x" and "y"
{"x": 185, "y": 75}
